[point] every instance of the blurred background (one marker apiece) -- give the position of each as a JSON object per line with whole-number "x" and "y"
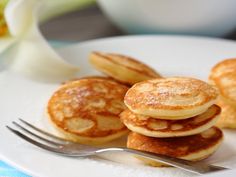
{"x": 91, "y": 23}
{"x": 87, "y": 23}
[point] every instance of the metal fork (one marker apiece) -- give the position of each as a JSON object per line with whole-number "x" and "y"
{"x": 58, "y": 145}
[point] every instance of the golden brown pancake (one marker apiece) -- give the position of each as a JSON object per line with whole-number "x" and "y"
{"x": 227, "y": 116}
{"x": 170, "y": 98}
{"x": 170, "y": 128}
{"x": 193, "y": 148}
{"x": 223, "y": 75}
{"x": 122, "y": 68}
{"x": 87, "y": 110}
{"x": 226, "y": 85}
{"x": 225, "y": 66}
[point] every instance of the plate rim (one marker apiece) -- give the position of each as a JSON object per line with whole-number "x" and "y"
{"x": 127, "y": 37}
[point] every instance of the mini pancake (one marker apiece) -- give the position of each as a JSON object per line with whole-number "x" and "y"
{"x": 226, "y": 85}
{"x": 87, "y": 110}
{"x": 223, "y": 75}
{"x": 170, "y": 128}
{"x": 122, "y": 68}
{"x": 170, "y": 98}
{"x": 227, "y": 116}
{"x": 225, "y": 66}
{"x": 193, "y": 148}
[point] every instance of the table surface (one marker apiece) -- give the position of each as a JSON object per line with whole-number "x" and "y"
{"x": 77, "y": 26}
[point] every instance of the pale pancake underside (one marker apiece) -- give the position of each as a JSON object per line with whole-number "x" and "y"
{"x": 122, "y": 68}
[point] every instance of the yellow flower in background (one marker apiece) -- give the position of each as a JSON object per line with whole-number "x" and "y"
{"x": 23, "y": 49}
{"x": 3, "y": 25}
{"x": 5, "y": 40}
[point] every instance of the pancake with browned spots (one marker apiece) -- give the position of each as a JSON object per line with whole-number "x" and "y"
{"x": 122, "y": 68}
{"x": 224, "y": 66}
{"x": 193, "y": 148}
{"x": 170, "y": 128}
{"x": 228, "y": 115}
{"x": 227, "y": 87}
{"x": 223, "y": 76}
{"x": 170, "y": 98}
{"x": 87, "y": 110}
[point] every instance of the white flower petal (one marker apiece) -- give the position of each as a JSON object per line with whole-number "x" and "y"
{"x": 32, "y": 55}
{"x": 18, "y": 15}
{"x": 5, "y": 42}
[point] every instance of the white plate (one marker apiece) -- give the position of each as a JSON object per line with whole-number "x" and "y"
{"x": 170, "y": 55}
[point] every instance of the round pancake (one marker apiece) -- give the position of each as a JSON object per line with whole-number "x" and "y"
{"x": 87, "y": 110}
{"x": 170, "y": 98}
{"x": 227, "y": 115}
{"x": 223, "y": 75}
{"x": 193, "y": 148}
{"x": 170, "y": 128}
{"x": 225, "y": 66}
{"x": 226, "y": 85}
{"x": 122, "y": 68}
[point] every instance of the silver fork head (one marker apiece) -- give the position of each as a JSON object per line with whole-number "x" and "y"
{"x": 50, "y": 142}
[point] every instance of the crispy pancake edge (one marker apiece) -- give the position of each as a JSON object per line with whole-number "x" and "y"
{"x": 124, "y": 74}
{"x": 189, "y": 127}
{"x": 195, "y": 147}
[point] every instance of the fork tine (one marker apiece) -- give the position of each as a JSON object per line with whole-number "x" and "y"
{"x": 32, "y": 141}
{"x": 56, "y": 138}
{"x": 36, "y": 136}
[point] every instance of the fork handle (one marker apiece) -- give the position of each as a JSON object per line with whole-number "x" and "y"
{"x": 194, "y": 167}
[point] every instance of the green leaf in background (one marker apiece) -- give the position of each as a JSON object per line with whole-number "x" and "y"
{"x": 3, "y": 4}
{"x": 54, "y": 8}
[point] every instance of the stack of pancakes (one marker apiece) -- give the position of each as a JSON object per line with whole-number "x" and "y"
{"x": 173, "y": 117}
{"x": 223, "y": 76}
{"x": 87, "y": 110}
{"x": 169, "y": 116}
